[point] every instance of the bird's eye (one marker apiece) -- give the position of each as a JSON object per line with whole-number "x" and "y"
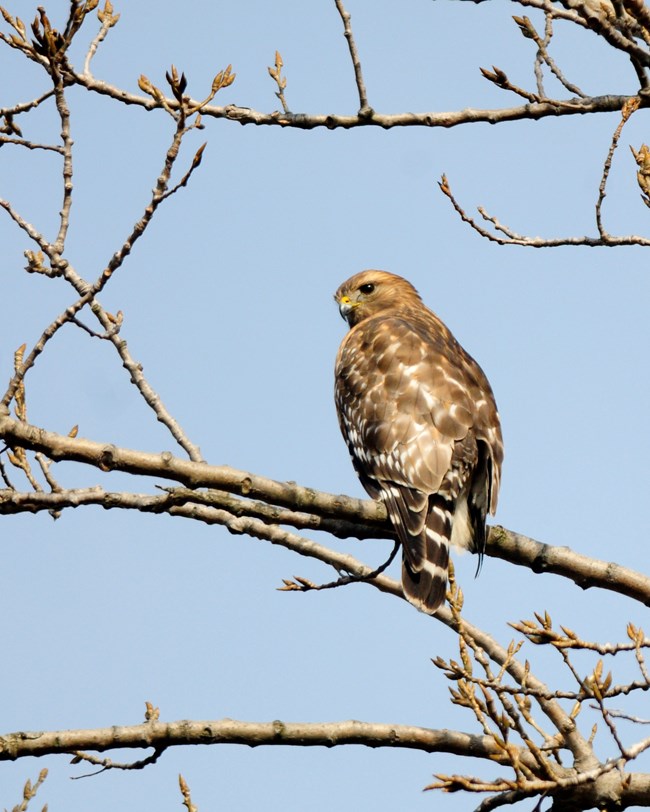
{"x": 367, "y": 288}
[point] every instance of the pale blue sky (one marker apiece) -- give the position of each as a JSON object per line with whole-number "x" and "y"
{"x": 228, "y": 305}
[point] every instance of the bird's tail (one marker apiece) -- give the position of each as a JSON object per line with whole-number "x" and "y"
{"x": 424, "y": 528}
{"x": 426, "y": 586}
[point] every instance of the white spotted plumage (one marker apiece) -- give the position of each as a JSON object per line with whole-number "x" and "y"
{"x": 420, "y": 421}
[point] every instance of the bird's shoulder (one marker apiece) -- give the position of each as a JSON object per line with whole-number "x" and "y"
{"x": 405, "y": 335}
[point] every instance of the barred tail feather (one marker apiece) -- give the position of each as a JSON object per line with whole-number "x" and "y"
{"x": 426, "y": 588}
{"x": 424, "y": 577}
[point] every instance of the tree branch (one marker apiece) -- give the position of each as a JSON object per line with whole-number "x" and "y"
{"x": 341, "y": 515}
{"x": 584, "y": 571}
{"x": 365, "y": 111}
{"x": 161, "y": 735}
{"x": 332, "y": 121}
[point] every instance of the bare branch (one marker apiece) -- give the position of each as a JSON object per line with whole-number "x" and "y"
{"x": 299, "y": 584}
{"x": 66, "y": 140}
{"x": 108, "y": 20}
{"x": 584, "y": 14}
{"x": 162, "y": 735}
{"x": 353, "y": 517}
{"x": 627, "y": 111}
{"x": 187, "y": 795}
{"x": 30, "y": 144}
{"x": 365, "y": 111}
{"x": 513, "y": 238}
{"x": 87, "y": 292}
{"x": 331, "y": 121}
{"x": 500, "y": 79}
{"x": 25, "y": 107}
{"x": 281, "y": 81}
{"x": 28, "y": 228}
{"x": 543, "y": 56}
{"x": 109, "y": 764}
{"x": 584, "y": 571}
{"x": 628, "y": 718}
{"x": 30, "y": 790}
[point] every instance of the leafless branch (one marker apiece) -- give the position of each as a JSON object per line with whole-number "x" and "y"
{"x": 29, "y": 792}
{"x": 627, "y": 111}
{"x": 513, "y": 238}
{"x": 299, "y": 584}
{"x": 162, "y": 735}
{"x": 585, "y": 15}
{"x": 22, "y": 142}
{"x": 88, "y": 293}
{"x": 25, "y": 107}
{"x": 331, "y": 121}
{"x": 543, "y": 56}
{"x": 187, "y": 795}
{"x": 108, "y": 20}
{"x": 628, "y": 718}
{"x": 500, "y": 79}
{"x": 28, "y": 228}
{"x": 525, "y": 723}
{"x": 584, "y": 571}
{"x": 359, "y": 518}
{"x": 109, "y": 764}
{"x": 365, "y": 111}
{"x": 281, "y": 81}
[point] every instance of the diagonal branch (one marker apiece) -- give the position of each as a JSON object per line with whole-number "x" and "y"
{"x": 88, "y": 292}
{"x": 584, "y": 571}
{"x": 365, "y": 111}
{"x": 628, "y": 108}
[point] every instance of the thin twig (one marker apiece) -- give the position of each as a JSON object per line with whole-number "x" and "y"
{"x": 108, "y": 21}
{"x": 513, "y": 238}
{"x": 626, "y": 716}
{"x": 66, "y": 140}
{"x": 109, "y": 764}
{"x": 25, "y": 107}
{"x": 599, "y": 23}
{"x": 45, "y": 465}
{"x": 612, "y": 728}
{"x": 365, "y": 111}
{"x": 22, "y": 142}
{"x": 88, "y": 293}
{"x": 299, "y": 584}
{"x": 281, "y": 81}
{"x": 67, "y": 315}
{"x": 543, "y": 55}
{"x": 28, "y": 228}
{"x": 500, "y": 79}
{"x": 629, "y": 108}
{"x": 3, "y": 473}
{"x": 542, "y": 51}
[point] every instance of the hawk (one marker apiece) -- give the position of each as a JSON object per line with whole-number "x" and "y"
{"x": 421, "y": 424}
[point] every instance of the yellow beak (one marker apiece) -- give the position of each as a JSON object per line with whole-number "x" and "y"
{"x": 346, "y": 306}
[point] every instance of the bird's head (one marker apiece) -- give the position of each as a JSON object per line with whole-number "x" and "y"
{"x": 371, "y": 292}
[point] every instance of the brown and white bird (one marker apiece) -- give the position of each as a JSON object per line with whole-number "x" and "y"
{"x": 420, "y": 421}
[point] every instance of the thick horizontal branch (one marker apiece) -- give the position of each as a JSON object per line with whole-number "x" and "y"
{"x": 341, "y": 515}
{"x": 332, "y": 121}
{"x": 161, "y": 735}
{"x": 165, "y": 465}
{"x": 629, "y": 789}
